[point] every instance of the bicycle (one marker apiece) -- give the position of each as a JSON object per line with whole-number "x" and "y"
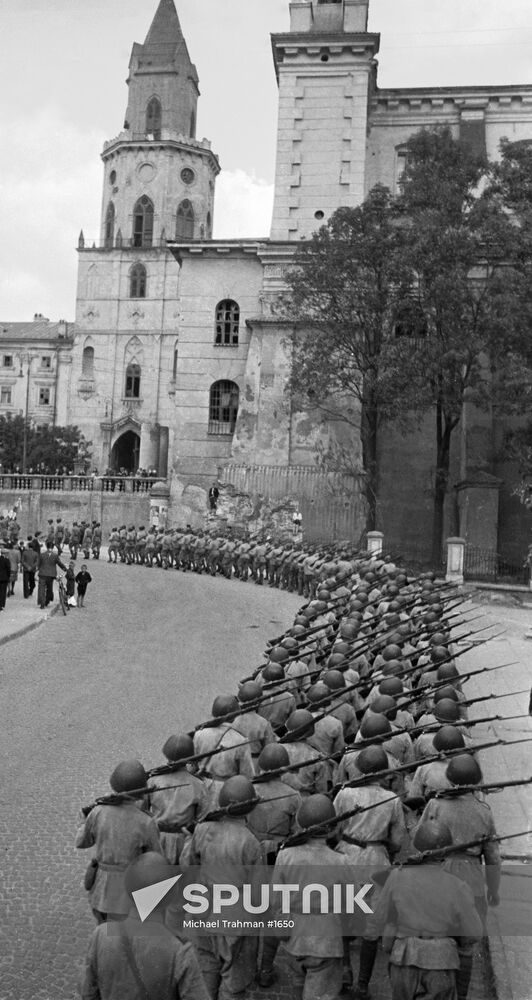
{"x": 63, "y": 599}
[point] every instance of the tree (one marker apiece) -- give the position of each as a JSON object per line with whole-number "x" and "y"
{"x": 472, "y": 285}
{"x": 346, "y": 289}
{"x": 47, "y": 448}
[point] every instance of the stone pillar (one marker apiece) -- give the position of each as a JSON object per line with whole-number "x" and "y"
{"x": 149, "y": 446}
{"x": 162, "y": 466}
{"x": 159, "y": 500}
{"x": 374, "y": 543}
{"x": 478, "y": 504}
{"x": 455, "y": 560}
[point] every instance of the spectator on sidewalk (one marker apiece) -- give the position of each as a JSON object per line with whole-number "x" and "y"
{"x": 48, "y": 563}
{"x": 70, "y": 584}
{"x": 83, "y": 579}
{"x": 30, "y": 560}
{"x": 14, "y": 559}
{"x": 5, "y": 573}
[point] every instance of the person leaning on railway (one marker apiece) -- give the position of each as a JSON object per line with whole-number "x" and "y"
{"x": 118, "y": 833}
{"x": 121, "y": 964}
{"x": 427, "y": 919}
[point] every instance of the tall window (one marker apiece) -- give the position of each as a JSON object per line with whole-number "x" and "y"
{"x": 87, "y": 362}
{"x": 153, "y": 118}
{"x": 137, "y": 282}
{"x": 109, "y": 226}
{"x": 209, "y": 225}
{"x": 143, "y": 222}
{"x": 185, "y": 221}
{"x": 227, "y": 323}
{"x": 223, "y": 407}
{"x": 132, "y": 382}
{"x": 193, "y": 125}
{"x": 176, "y": 359}
{"x": 400, "y": 167}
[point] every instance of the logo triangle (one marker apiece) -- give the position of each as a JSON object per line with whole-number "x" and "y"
{"x": 150, "y": 896}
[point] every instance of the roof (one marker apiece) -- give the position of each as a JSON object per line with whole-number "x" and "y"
{"x": 40, "y": 329}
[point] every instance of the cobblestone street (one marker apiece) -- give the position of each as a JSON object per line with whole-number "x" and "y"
{"x": 143, "y": 659}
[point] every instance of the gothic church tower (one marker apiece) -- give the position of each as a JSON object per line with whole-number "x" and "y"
{"x": 158, "y": 185}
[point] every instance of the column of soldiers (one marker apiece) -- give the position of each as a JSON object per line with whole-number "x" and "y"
{"x": 284, "y": 563}
{"x": 349, "y": 748}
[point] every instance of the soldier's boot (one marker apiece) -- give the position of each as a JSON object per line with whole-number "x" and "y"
{"x": 463, "y": 976}
{"x": 368, "y": 954}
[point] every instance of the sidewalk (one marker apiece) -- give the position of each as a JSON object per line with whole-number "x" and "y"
{"x": 20, "y": 616}
{"x": 511, "y": 950}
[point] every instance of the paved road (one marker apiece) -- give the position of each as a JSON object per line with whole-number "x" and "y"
{"x": 143, "y": 659}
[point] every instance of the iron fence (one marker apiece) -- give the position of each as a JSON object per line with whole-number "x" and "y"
{"x": 487, "y": 565}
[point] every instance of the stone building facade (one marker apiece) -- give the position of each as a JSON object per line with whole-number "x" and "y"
{"x": 181, "y": 357}
{"x": 35, "y": 367}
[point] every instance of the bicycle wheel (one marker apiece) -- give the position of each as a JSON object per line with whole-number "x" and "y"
{"x": 63, "y": 599}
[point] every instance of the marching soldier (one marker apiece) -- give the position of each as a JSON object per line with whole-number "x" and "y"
{"x": 177, "y": 799}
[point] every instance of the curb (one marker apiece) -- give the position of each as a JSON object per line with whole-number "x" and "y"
{"x": 499, "y": 968}
{"x": 29, "y": 628}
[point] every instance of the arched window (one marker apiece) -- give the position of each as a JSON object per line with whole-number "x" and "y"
{"x": 223, "y": 407}
{"x": 109, "y": 226}
{"x": 154, "y": 118}
{"x": 185, "y": 221}
{"x": 193, "y": 125}
{"x": 227, "y": 323}
{"x": 137, "y": 282}
{"x": 87, "y": 363}
{"x": 132, "y": 389}
{"x": 143, "y": 222}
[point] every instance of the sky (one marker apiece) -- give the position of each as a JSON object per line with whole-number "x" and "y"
{"x": 64, "y": 65}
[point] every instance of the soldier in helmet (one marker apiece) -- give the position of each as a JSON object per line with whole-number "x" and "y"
{"x": 223, "y": 845}
{"x": 118, "y": 833}
{"x": 309, "y": 778}
{"x": 469, "y": 817}
{"x": 278, "y": 703}
{"x": 429, "y": 921}
{"x": 117, "y": 963}
{"x": 177, "y": 799}
{"x": 315, "y": 947}
{"x": 75, "y": 538}
{"x": 235, "y": 758}
{"x": 252, "y": 726}
{"x": 113, "y": 545}
{"x": 96, "y": 540}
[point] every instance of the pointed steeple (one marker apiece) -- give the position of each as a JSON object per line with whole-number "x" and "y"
{"x": 161, "y": 68}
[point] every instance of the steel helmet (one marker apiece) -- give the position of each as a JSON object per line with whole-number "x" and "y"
{"x": 224, "y": 704}
{"x": 445, "y": 692}
{"x": 384, "y": 704}
{"x": 318, "y": 692}
{"x": 448, "y": 738}
{"x": 432, "y": 835}
{"x": 273, "y": 756}
{"x": 279, "y": 654}
{"x": 447, "y": 672}
{"x": 289, "y": 643}
{"x": 238, "y": 795}
{"x": 446, "y": 710}
{"x": 391, "y": 686}
{"x": 439, "y": 654}
{"x": 273, "y": 672}
{"x": 127, "y": 776}
{"x": 334, "y": 680}
{"x": 371, "y": 760}
{"x": 335, "y": 659}
{"x": 464, "y": 770}
{"x": 374, "y": 724}
{"x": 391, "y": 652}
{"x": 178, "y": 747}
{"x": 299, "y": 724}
{"x": 249, "y": 691}
{"x": 315, "y": 809}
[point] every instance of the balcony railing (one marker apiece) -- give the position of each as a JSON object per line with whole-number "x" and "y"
{"x": 77, "y": 484}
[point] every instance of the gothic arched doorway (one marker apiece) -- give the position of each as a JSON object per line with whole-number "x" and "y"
{"x": 125, "y": 453}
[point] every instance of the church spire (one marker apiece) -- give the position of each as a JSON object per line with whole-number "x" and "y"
{"x": 163, "y": 81}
